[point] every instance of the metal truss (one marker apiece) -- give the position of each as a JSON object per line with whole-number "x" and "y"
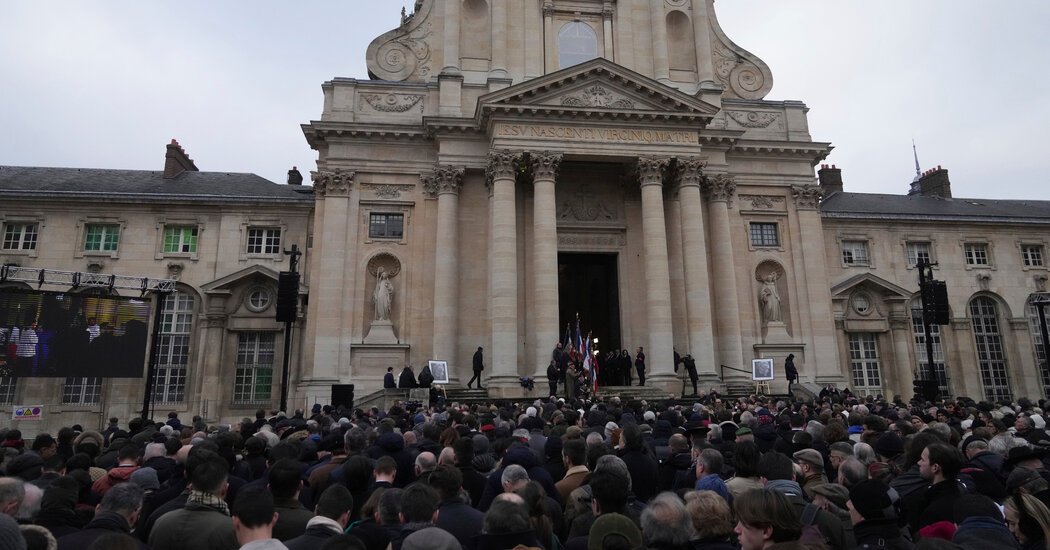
{"x": 77, "y": 279}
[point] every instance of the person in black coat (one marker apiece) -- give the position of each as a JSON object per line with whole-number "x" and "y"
{"x": 478, "y": 365}
{"x": 690, "y": 369}
{"x": 789, "y": 368}
{"x": 116, "y": 514}
{"x": 388, "y": 379}
{"x": 552, "y": 377}
{"x": 639, "y": 365}
{"x": 333, "y": 514}
{"x": 640, "y": 463}
{"x": 407, "y": 378}
{"x": 455, "y": 515}
{"x": 939, "y": 465}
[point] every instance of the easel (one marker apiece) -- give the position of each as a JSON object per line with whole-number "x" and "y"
{"x": 761, "y": 387}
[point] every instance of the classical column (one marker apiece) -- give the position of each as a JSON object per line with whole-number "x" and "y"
{"x": 502, "y": 169}
{"x": 661, "y": 68}
{"x": 705, "y": 69}
{"x": 720, "y": 190}
{"x": 660, "y": 352}
{"x": 815, "y": 302}
{"x": 694, "y": 256}
{"x": 608, "y": 11}
{"x": 545, "y": 255}
{"x": 897, "y": 380}
{"x": 550, "y": 63}
{"x": 498, "y": 67}
{"x": 445, "y": 183}
{"x": 451, "y": 46}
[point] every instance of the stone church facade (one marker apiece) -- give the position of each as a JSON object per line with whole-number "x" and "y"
{"x": 511, "y": 165}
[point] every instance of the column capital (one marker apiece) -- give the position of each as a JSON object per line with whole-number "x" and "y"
{"x": 651, "y": 170}
{"x": 545, "y": 165}
{"x": 719, "y": 187}
{"x": 443, "y": 180}
{"x": 502, "y": 164}
{"x": 332, "y": 182}
{"x": 689, "y": 172}
{"x": 608, "y": 12}
{"x": 807, "y": 197}
{"x": 548, "y": 9}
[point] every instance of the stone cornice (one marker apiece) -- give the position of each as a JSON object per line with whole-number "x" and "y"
{"x": 319, "y": 132}
{"x": 443, "y": 180}
{"x": 332, "y": 182}
{"x": 814, "y": 152}
{"x": 807, "y": 197}
{"x": 545, "y": 165}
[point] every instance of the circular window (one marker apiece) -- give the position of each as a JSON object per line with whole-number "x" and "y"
{"x": 861, "y": 304}
{"x": 258, "y": 299}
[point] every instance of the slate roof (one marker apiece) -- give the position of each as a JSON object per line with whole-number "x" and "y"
{"x": 920, "y": 208}
{"x": 144, "y": 185}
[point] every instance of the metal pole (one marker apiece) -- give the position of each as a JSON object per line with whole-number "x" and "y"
{"x": 285, "y": 369}
{"x": 151, "y": 369}
{"x": 926, "y": 314}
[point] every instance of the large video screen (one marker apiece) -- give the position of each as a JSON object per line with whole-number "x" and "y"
{"x": 57, "y": 334}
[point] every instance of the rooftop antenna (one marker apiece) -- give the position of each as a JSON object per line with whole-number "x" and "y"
{"x": 918, "y": 171}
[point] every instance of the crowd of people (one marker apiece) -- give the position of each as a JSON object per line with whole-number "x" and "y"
{"x": 837, "y": 471}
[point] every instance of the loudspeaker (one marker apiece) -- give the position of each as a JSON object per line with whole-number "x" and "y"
{"x": 342, "y": 396}
{"x": 287, "y": 297}
{"x": 935, "y": 302}
{"x": 926, "y": 389}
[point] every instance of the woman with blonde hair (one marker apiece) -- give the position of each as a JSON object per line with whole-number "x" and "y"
{"x": 712, "y": 521}
{"x": 1029, "y": 520}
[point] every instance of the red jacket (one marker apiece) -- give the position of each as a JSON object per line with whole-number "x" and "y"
{"x": 118, "y": 474}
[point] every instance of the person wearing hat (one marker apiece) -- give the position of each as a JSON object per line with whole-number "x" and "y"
{"x": 744, "y": 433}
{"x": 1029, "y": 457}
{"x": 874, "y": 519}
{"x": 613, "y": 530}
{"x": 811, "y": 462}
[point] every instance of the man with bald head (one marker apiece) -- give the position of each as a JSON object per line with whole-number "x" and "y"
{"x": 425, "y": 464}
{"x": 677, "y": 466}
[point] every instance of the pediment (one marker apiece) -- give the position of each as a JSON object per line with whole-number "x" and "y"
{"x": 885, "y": 288}
{"x": 597, "y": 89}
{"x": 237, "y": 278}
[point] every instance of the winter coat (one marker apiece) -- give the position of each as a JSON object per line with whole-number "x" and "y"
{"x": 644, "y": 473}
{"x": 524, "y": 457}
{"x": 292, "y": 518}
{"x": 312, "y": 539}
{"x": 118, "y": 474}
{"x": 981, "y": 533}
{"x": 104, "y": 523}
{"x": 194, "y": 526}
{"x": 460, "y": 519}
{"x": 393, "y": 445}
{"x": 670, "y": 469}
{"x": 880, "y": 533}
{"x": 934, "y": 504}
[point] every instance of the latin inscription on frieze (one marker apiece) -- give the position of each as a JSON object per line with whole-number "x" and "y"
{"x": 607, "y": 135}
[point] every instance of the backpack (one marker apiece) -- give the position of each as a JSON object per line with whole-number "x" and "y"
{"x": 810, "y": 530}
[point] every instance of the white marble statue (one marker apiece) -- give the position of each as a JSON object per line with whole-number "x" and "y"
{"x": 383, "y": 296}
{"x": 769, "y": 298}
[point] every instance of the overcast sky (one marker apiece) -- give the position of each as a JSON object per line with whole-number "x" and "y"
{"x": 107, "y": 84}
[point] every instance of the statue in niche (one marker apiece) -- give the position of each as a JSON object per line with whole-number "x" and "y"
{"x": 383, "y": 297}
{"x": 769, "y": 298}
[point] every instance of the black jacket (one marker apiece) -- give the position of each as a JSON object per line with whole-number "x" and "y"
{"x": 479, "y": 361}
{"x": 880, "y": 533}
{"x": 312, "y": 539}
{"x": 934, "y": 504}
{"x": 460, "y": 519}
{"x": 645, "y": 476}
{"x": 104, "y": 523}
{"x": 407, "y": 379}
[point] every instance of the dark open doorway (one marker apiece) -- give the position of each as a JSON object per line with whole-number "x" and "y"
{"x": 588, "y": 284}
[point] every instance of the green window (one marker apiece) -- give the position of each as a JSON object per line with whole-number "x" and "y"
{"x": 180, "y": 239}
{"x": 101, "y": 237}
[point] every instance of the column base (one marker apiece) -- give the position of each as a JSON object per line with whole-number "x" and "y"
{"x": 668, "y": 383}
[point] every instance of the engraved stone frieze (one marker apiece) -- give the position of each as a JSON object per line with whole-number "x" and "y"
{"x": 764, "y": 202}
{"x": 391, "y": 103}
{"x": 753, "y": 119}
{"x": 596, "y": 240}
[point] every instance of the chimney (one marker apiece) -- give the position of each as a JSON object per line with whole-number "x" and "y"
{"x": 176, "y": 161}
{"x": 932, "y": 183}
{"x": 830, "y": 179}
{"x": 295, "y": 177}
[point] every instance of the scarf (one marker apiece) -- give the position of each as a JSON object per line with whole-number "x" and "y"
{"x": 207, "y": 499}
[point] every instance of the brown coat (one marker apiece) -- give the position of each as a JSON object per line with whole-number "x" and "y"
{"x": 573, "y": 478}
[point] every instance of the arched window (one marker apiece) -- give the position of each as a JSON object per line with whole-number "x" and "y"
{"x": 1037, "y": 339}
{"x": 940, "y": 373}
{"x": 173, "y": 355}
{"x": 577, "y": 43}
{"x": 991, "y": 358}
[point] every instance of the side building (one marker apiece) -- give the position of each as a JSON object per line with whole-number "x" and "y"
{"x": 990, "y": 253}
{"x": 221, "y": 236}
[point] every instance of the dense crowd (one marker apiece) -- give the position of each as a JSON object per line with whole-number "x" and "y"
{"x": 836, "y": 472}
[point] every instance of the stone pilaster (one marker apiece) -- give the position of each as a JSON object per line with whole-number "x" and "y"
{"x": 545, "y": 261}
{"x": 660, "y": 352}
{"x": 498, "y": 66}
{"x": 814, "y": 295}
{"x": 327, "y": 326}
{"x": 444, "y": 183}
{"x": 697, "y": 281}
{"x": 720, "y": 189}
{"x": 451, "y": 33}
{"x": 502, "y": 170}
{"x": 705, "y": 69}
